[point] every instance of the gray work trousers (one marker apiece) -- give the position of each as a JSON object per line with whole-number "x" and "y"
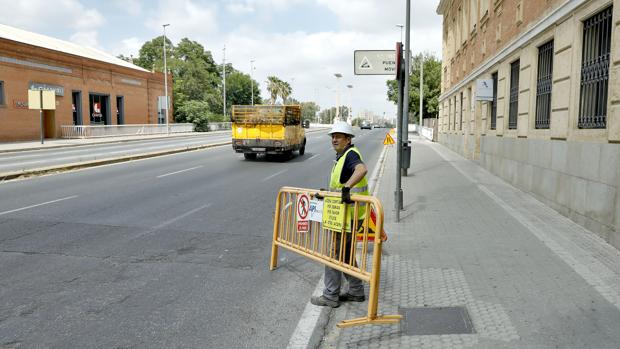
{"x": 333, "y": 277}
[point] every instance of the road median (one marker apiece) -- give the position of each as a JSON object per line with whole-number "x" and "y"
{"x": 99, "y": 162}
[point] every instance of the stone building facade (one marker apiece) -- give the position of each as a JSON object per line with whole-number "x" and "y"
{"x": 91, "y": 87}
{"x": 531, "y": 90}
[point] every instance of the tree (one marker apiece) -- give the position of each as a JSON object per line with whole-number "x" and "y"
{"x": 239, "y": 89}
{"x": 151, "y": 54}
{"x": 285, "y": 90}
{"x": 197, "y": 112}
{"x": 273, "y": 87}
{"x": 432, "y": 88}
{"x": 309, "y": 110}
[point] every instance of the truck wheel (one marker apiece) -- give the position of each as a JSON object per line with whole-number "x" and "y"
{"x": 249, "y": 156}
{"x": 302, "y": 150}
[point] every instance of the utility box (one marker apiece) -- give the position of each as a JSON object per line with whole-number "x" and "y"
{"x": 406, "y": 155}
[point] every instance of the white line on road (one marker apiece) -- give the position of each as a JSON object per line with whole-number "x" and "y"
{"x": 181, "y": 171}
{"x": 168, "y": 222}
{"x": 37, "y": 205}
{"x": 273, "y": 175}
{"x": 313, "y": 156}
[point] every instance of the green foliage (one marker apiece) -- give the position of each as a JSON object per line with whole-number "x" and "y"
{"x": 432, "y": 88}
{"x": 197, "y": 112}
{"x": 308, "y": 110}
{"x": 239, "y": 89}
{"x": 327, "y": 116}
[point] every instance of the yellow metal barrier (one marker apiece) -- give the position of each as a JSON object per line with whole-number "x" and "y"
{"x": 311, "y": 239}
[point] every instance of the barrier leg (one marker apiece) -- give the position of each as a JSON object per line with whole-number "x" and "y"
{"x": 276, "y": 226}
{"x": 373, "y": 297}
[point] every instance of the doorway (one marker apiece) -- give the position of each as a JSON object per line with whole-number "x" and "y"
{"x": 49, "y": 124}
{"x": 99, "y": 109}
{"x": 120, "y": 110}
{"x": 76, "y": 97}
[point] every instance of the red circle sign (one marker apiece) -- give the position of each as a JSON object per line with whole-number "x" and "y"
{"x": 303, "y": 206}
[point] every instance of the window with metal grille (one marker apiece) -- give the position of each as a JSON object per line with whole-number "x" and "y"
{"x": 513, "y": 108}
{"x": 1, "y": 92}
{"x": 544, "y": 84}
{"x": 461, "y": 113}
{"x": 494, "y": 102}
{"x": 595, "y": 70}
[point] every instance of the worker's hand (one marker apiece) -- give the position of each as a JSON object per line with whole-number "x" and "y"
{"x": 318, "y": 195}
{"x": 346, "y": 195}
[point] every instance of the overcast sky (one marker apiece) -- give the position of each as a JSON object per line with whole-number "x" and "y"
{"x": 301, "y": 41}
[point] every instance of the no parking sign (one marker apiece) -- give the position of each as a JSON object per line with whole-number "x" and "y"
{"x": 303, "y": 208}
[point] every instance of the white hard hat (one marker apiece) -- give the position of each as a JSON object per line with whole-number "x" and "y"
{"x": 342, "y": 127}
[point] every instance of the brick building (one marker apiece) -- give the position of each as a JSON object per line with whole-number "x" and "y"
{"x": 531, "y": 89}
{"x": 91, "y": 87}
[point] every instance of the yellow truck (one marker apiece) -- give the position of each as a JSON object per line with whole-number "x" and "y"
{"x": 267, "y": 129}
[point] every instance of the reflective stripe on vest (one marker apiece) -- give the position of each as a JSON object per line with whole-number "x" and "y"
{"x": 361, "y": 188}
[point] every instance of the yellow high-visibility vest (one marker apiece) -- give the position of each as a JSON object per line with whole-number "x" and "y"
{"x": 361, "y": 188}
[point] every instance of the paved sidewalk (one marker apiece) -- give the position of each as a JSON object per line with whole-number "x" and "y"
{"x": 527, "y": 276}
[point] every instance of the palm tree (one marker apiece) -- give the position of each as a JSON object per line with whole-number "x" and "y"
{"x": 273, "y": 87}
{"x": 285, "y": 90}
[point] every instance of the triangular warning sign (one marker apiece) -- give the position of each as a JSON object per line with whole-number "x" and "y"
{"x": 365, "y": 63}
{"x": 388, "y": 139}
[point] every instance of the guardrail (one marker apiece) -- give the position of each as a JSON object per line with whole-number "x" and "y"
{"x": 94, "y": 131}
{"x": 322, "y": 241}
{"x": 218, "y": 126}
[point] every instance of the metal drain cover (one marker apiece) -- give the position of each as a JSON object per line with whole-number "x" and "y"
{"x": 435, "y": 321}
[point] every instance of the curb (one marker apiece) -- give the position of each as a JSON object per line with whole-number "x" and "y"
{"x": 80, "y": 165}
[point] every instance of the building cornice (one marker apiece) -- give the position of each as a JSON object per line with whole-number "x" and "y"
{"x": 562, "y": 11}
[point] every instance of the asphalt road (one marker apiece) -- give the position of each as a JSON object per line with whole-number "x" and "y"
{"x": 169, "y": 252}
{"x": 27, "y": 160}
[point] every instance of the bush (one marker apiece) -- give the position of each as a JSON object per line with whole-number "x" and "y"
{"x": 197, "y": 112}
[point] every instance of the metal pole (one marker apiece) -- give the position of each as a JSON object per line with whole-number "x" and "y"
{"x": 252, "y": 81}
{"x": 338, "y": 76}
{"x": 398, "y": 193}
{"x": 224, "y": 79}
{"x": 166, "y": 81}
{"x": 407, "y": 62}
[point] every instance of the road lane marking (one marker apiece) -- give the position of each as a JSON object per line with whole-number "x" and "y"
{"x": 181, "y": 171}
{"x": 273, "y": 175}
{"x": 170, "y": 221}
{"x": 37, "y": 205}
{"x": 313, "y": 156}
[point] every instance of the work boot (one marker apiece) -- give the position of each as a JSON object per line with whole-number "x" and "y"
{"x": 345, "y": 297}
{"x": 322, "y": 301}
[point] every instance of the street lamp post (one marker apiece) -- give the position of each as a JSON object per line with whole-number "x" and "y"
{"x": 224, "y": 78}
{"x": 350, "y": 116}
{"x": 166, "y": 80}
{"x": 338, "y": 76}
{"x": 252, "y": 81}
{"x": 401, "y": 31}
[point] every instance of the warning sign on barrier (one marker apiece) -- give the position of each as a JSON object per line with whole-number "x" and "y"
{"x": 303, "y": 208}
{"x": 333, "y": 214}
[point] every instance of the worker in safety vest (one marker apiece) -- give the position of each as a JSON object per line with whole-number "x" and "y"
{"x": 348, "y": 176}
